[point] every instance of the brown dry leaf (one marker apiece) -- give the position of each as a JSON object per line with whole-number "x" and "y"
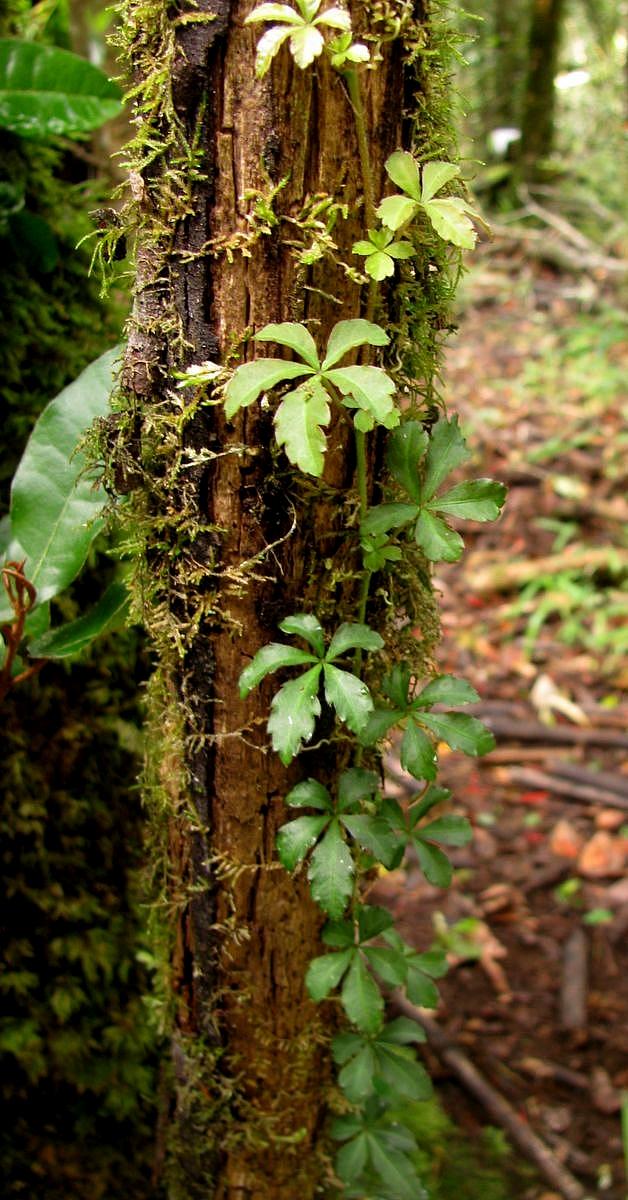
{"x": 602, "y": 856}
{"x": 565, "y": 841}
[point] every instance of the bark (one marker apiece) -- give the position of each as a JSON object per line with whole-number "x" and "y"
{"x": 537, "y": 130}
{"x": 245, "y": 930}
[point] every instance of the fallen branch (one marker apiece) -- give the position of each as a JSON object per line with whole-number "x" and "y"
{"x": 496, "y": 1106}
{"x": 558, "y": 735}
{"x": 507, "y": 576}
{"x": 608, "y": 781}
{"x": 573, "y": 992}
{"x": 571, "y": 790}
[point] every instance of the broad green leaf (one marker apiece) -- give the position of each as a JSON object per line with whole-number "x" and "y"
{"x": 352, "y": 1158}
{"x": 402, "y": 1032}
{"x": 351, "y": 636}
{"x": 349, "y": 696}
{"x": 309, "y": 794}
{"x": 298, "y": 426}
{"x": 307, "y": 626}
{"x": 46, "y": 92}
{"x": 435, "y": 176}
{"x": 373, "y": 920}
{"x": 402, "y": 1073}
{"x": 361, "y": 998}
{"x": 446, "y": 450}
{"x": 436, "y": 539}
{"x": 434, "y": 864}
{"x": 331, "y": 872}
{"x": 362, "y": 247}
{"x": 324, "y": 973}
{"x": 371, "y": 389}
{"x": 348, "y": 335}
{"x": 356, "y": 1078}
{"x": 375, "y": 834}
{"x": 403, "y": 169}
{"x": 477, "y": 500}
{"x": 379, "y": 265}
{"x": 296, "y": 839}
{"x": 447, "y": 689}
{"x": 271, "y": 658}
{"x": 401, "y": 250}
{"x": 387, "y": 963}
{"x": 448, "y": 830}
{"x": 451, "y": 222}
{"x": 385, "y": 517}
{"x": 54, "y": 500}
{"x": 335, "y": 18}
{"x": 296, "y": 337}
{"x": 460, "y": 731}
{"x": 378, "y": 724}
{"x": 273, "y": 12}
{"x": 268, "y": 46}
{"x": 253, "y": 378}
{"x": 405, "y": 448}
{"x": 396, "y": 211}
{"x": 418, "y": 755}
{"x": 354, "y": 785}
{"x": 70, "y": 639}
{"x": 305, "y": 45}
{"x": 293, "y": 714}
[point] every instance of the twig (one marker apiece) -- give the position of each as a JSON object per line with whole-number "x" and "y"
{"x": 608, "y": 781}
{"x": 573, "y": 992}
{"x": 495, "y": 1104}
{"x": 507, "y": 576}
{"x": 557, "y": 735}
{"x": 571, "y": 790}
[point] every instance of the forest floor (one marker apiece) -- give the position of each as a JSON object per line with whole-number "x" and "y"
{"x": 535, "y": 617}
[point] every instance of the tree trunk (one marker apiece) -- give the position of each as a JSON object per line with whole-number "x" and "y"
{"x": 223, "y": 168}
{"x": 539, "y": 103}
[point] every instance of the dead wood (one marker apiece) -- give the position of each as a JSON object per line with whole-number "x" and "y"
{"x": 507, "y": 576}
{"x": 574, "y": 985}
{"x": 588, "y": 793}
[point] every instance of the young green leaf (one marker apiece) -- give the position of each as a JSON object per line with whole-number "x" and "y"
{"x": 249, "y": 381}
{"x": 299, "y": 422}
{"x": 435, "y": 175}
{"x": 349, "y": 696}
{"x": 353, "y": 636}
{"x": 371, "y": 389}
{"x": 296, "y": 839}
{"x": 269, "y": 45}
{"x": 331, "y": 872}
{"x": 403, "y": 169}
{"x": 324, "y": 973}
{"x": 293, "y": 714}
{"x": 385, "y": 517}
{"x": 348, "y": 335}
{"x": 295, "y": 337}
{"x": 396, "y": 211}
{"x": 307, "y": 626}
{"x": 271, "y": 658}
{"x": 450, "y": 220}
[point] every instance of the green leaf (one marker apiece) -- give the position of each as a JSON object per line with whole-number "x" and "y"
{"x": 402, "y": 1032}
{"x": 375, "y": 834}
{"x": 54, "y": 500}
{"x": 396, "y": 211}
{"x": 352, "y": 1158}
{"x": 306, "y": 44}
{"x": 379, "y": 265}
{"x": 348, "y": 335}
{"x": 307, "y": 626}
{"x": 293, "y": 714}
{"x": 309, "y": 794}
{"x": 70, "y": 639}
{"x": 448, "y": 830}
{"x": 378, "y": 724}
{"x": 396, "y": 684}
{"x": 432, "y": 796}
{"x": 296, "y": 839}
{"x": 331, "y": 872}
{"x": 403, "y": 169}
{"x": 273, "y": 12}
{"x": 434, "y": 864}
{"x": 401, "y": 250}
{"x": 436, "y": 539}
{"x": 447, "y": 689}
{"x": 298, "y": 426}
{"x": 447, "y": 449}
{"x": 385, "y": 517}
{"x": 406, "y": 447}
{"x": 269, "y": 45}
{"x": 324, "y": 973}
{"x": 335, "y": 18}
{"x": 35, "y": 241}
{"x": 395, "y": 1169}
{"x": 253, "y": 378}
{"x": 296, "y": 337}
{"x": 477, "y": 500}
{"x": 355, "y": 785}
{"x": 271, "y": 658}
{"x": 371, "y": 389}
{"x": 356, "y": 1078}
{"x": 435, "y": 176}
{"x": 338, "y": 933}
{"x": 418, "y": 755}
{"x": 46, "y": 92}
{"x": 361, "y": 997}
{"x": 349, "y": 696}
{"x": 451, "y": 222}
{"x": 373, "y": 920}
{"x": 420, "y": 990}
{"x": 403, "y": 1075}
{"x": 387, "y": 963}
{"x": 460, "y": 731}
{"x": 351, "y": 636}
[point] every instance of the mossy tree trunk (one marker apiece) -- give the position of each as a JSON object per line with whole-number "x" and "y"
{"x": 539, "y": 101}
{"x": 223, "y": 168}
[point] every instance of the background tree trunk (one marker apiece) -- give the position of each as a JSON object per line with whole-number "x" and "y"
{"x": 234, "y": 542}
{"x": 539, "y": 103}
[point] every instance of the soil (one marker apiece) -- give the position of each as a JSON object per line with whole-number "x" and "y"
{"x": 537, "y": 993}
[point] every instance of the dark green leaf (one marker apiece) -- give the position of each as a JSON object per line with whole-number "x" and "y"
{"x": 387, "y": 963}
{"x": 307, "y": 626}
{"x": 433, "y": 795}
{"x": 347, "y": 335}
{"x": 420, "y": 989}
{"x": 293, "y": 714}
{"x": 375, "y": 834}
{"x": 373, "y": 920}
{"x": 418, "y": 755}
{"x": 344, "y": 1045}
{"x": 396, "y": 685}
{"x": 338, "y": 933}
{"x": 395, "y": 1169}
{"x": 70, "y": 639}
{"x": 435, "y": 865}
{"x": 477, "y": 500}
{"x": 271, "y": 658}
{"x": 449, "y": 831}
{"x": 349, "y": 696}
{"x": 403, "y": 1074}
{"x": 324, "y": 973}
{"x": 351, "y": 637}
{"x": 296, "y": 337}
{"x": 361, "y": 998}
{"x": 356, "y": 1078}
{"x": 46, "y": 92}
{"x": 447, "y": 449}
{"x": 460, "y": 732}
{"x": 436, "y": 539}
{"x": 447, "y": 689}
{"x": 354, "y": 785}
{"x": 309, "y": 794}
{"x": 297, "y": 838}
{"x": 378, "y": 724}
{"x": 405, "y": 448}
{"x": 352, "y": 1158}
{"x": 331, "y": 872}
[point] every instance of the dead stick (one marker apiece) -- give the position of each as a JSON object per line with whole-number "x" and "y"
{"x": 568, "y": 788}
{"x": 573, "y": 993}
{"x": 495, "y": 1104}
{"x": 607, "y": 780}
{"x": 507, "y": 576}
{"x": 568, "y": 735}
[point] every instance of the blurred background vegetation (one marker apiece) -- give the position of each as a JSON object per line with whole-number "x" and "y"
{"x": 542, "y": 123}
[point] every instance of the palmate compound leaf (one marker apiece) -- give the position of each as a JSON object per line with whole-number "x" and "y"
{"x": 352, "y": 636}
{"x": 436, "y": 539}
{"x": 299, "y": 423}
{"x": 310, "y": 794}
{"x": 405, "y": 449}
{"x": 403, "y": 169}
{"x": 361, "y": 998}
{"x": 374, "y": 834}
{"x": 446, "y": 689}
{"x": 307, "y": 626}
{"x": 293, "y": 714}
{"x": 418, "y": 755}
{"x": 460, "y": 731}
{"x": 434, "y": 864}
{"x": 396, "y": 211}
{"x": 325, "y": 972}
{"x": 296, "y": 337}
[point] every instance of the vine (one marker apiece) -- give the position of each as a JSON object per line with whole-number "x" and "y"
{"x": 344, "y": 835}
